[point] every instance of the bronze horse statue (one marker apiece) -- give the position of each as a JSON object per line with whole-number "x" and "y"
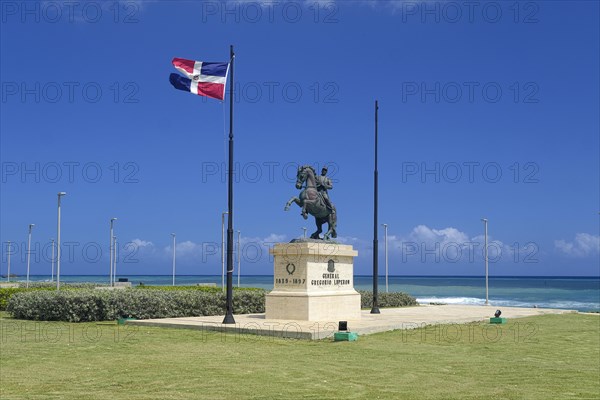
{"x": 311, "y": 201}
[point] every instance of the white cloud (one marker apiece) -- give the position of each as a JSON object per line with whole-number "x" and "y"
{"x": 449, "y": 244}
{"x": 266, "y": 241}
{"x": 188, "y": 249}
{"x": 423, "y": 233}
{"x": 583, "y": 245}
{"x": 139, "y": 243}
{"x": 192, "y": 250}
{"x": 274, "y": 238}
{"x": 364, "y": 247}
{"x": 348, "y": 239}
{"x": 138, "y": 249}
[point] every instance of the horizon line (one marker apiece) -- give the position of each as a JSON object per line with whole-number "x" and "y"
{"x": 358, "y": 275}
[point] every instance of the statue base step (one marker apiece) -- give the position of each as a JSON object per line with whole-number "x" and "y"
{"x": 321, "y": 306}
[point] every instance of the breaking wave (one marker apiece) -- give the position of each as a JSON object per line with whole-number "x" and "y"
{"x": 568, "y": 305}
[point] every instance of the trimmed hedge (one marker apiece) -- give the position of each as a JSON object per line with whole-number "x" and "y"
{"x": 63, "y": 285}
{"x": 83, "y": 305}
{"x": 103, "y": 305}
{"x": 212, "y": 289}
{"x": 7, "y": 293}
{"x": 391, "y": 299}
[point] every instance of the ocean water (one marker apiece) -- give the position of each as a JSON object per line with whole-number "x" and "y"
{"x": 577, "y": 293}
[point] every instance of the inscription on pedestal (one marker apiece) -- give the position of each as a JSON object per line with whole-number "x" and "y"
{"x": 313, "y": 281}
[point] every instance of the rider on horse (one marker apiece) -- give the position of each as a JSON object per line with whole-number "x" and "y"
{"x": 313, "y": 203}
{"x": 323, "y": 185}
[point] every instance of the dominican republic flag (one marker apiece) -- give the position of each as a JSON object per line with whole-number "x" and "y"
{"x": 203, "y": 78}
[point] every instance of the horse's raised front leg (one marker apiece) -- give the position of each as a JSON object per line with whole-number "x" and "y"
{"x": 294, "y": 199}
{"x": 306, "y": 203}
{"x": 317, "y": 234}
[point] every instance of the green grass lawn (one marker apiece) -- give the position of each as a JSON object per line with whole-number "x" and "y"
{"x": 547, "y": 357}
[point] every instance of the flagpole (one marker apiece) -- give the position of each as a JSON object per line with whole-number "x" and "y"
{"x": 375, "y": 309}
{"x": 229, "y": 313}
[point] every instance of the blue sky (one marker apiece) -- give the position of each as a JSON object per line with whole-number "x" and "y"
{"x": 487, "y": 110}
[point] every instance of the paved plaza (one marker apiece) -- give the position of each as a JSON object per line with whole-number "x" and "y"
{"x": 389, "y": 319}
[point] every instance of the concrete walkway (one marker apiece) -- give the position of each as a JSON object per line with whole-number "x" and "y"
{"x": 389, "y": 319}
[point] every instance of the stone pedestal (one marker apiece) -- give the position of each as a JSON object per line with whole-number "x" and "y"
{"x": 313, "y": 281}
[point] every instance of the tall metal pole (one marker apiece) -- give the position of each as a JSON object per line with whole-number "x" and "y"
{"x": 28, "y": 253}
{"x": 114, "y": 271}
{"x": 223, "y": 250}
{"x": 52, "y": 262}
{"x": 9, "y": 248}
{"x": 60, "y": 194}
{"x": 304, "y": 236}
{"x": 375, "y": 309}
{"x": 111, "y": 251}
{"x": 238, "y": 257}
{"x": 172, "y": 234}
{"x": 386, "y": 258}
{"x": 229, "y": 313}
{"x": 485, "y": 249}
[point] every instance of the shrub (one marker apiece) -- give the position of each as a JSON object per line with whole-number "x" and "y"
{"x": 391, "y": 299}
{"x": 63, "y": 285}
{"x": 7, "y": 293}
{"x": 101, "y": 305}
{"x": 211, "y": 289}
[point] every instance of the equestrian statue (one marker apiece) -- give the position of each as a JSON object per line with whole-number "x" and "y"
{"x": 314, "y": 200}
